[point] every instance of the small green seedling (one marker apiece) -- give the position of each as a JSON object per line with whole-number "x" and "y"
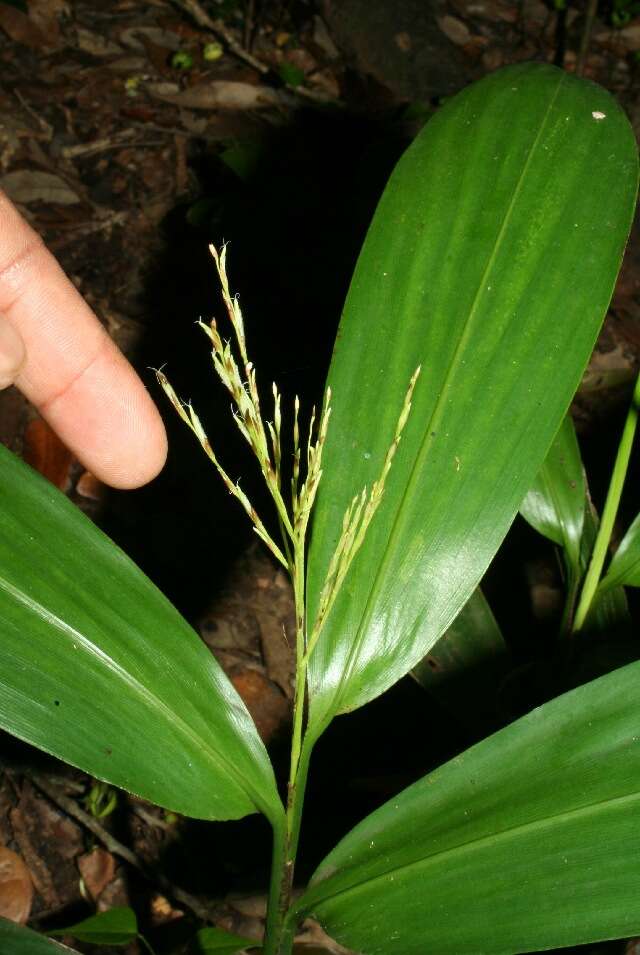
{"x": 101, "y": 800}
{"x": 182, "y": 60}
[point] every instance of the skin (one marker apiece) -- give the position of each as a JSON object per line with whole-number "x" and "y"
{"x": 54, "y": 349}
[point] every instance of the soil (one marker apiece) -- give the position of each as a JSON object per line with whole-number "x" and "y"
{"x": 128, "y": 163}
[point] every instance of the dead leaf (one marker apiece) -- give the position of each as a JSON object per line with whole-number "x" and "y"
{"x": 12, "y": 130}
{"x": 222, "y": 94}
{"x": 455, "y": 30}
{"x": 327, "y": 81}
{"x": 267, "y": 705}
{"x": 278, "y": 654}
{"x": 193, "y": 123}
{"x": 129, "y": 65}
{"x": 90, "y": 487}
{"x": 95, "y": 44}
{"x": 97, "y": 869}
{"x": 21, "y": 29}
{"x": 313, "y": 939}
{"x": 45, "y": 14}
{"x": 49, "y": 8}
{"x": 16, "y": 887}
{"x": 162, "y": 911}
{"x": 163, "y": 90}
{"x": 46, "y": 453}
{"x": 132, "y": 37}
{"x": 33, "y": 185}
{"x": 322, "y": 38}
{"x": 630, "y": 35}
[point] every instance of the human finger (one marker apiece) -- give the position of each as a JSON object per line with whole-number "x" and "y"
{"x": 74, "y": 374}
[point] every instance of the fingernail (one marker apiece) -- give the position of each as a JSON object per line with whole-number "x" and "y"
{"x": 12, "y": 353}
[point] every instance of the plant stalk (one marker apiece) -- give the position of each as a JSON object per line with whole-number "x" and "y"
{"x": 279, "y": 935}
{"x": 610, "y": 511}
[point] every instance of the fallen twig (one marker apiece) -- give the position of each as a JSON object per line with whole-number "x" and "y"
{"x": 219, "y": 27}
{"x": 203, "y": 910}
{"x": 222, "y": 32}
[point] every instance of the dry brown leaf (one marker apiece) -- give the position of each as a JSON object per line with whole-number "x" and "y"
{"x": 323, "y": 39}
{"x": 16, "y": 888}
{"x": 45, "y": 15}
{"x": 128, "y": 64}
{"x": 267, "y": 705}
{"x": 162, "y": 911}
{"x": 630, "y": 35}
{"x": 90, "y": 487}
{"x": 31, "y": 185}
{"x": 21, "y": 29}
{"x": 12, "y": 130}
{"x": 222, "y": 94}
{"x": 327, "y": 81}
{"x": 95, "y": 44}
{"x": 46, "y": 453}
{"x": 133, "y": 37}
{"x": 97, "y": 869}
{"x": 313, "y": 940}
{"x": 49, "y": 9}
{"x": 455, "y": 30}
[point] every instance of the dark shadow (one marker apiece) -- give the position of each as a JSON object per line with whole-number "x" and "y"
{"x": 295, "y": 226}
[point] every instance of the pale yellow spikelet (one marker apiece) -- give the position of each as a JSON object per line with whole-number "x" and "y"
{"x": 355, "y": 523}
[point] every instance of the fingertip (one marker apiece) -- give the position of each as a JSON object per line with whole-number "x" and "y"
{"x": 143, "y": 459}
{"x": 109, "y": 421}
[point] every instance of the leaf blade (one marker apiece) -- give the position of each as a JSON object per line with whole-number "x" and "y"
{"x": 20, "y": 940}
{"x": 624, "y": 569}
{"x": 117, "y": 926}
{"x": 215, "y": 940}
{"x": 99, "y": 669}
{"x": 548, "y": 831}
{"x": 474, "y": 440}
{"x": 555, "y": 503}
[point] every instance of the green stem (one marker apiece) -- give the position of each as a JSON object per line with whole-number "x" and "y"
{"x": 280, "y": 931}
{"x": 275, "y": 913}
{"x": 279, "y": 934}
{"x": 610, "y": 510}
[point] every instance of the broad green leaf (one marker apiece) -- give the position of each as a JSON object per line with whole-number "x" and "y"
{"x": 490, "y": 261}
{"x": 215, "y": 941}
{"x": 98, "y": 668}
{"x": 527, "y": 841}
{"x": 624, "y": 568}
{"x": 464, "y": 668}
{"x": 18, "y": 940}
{"x": 117, "y": 926}
{"x": 609, "y": 612}
{"x": 556, "y": 501}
